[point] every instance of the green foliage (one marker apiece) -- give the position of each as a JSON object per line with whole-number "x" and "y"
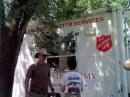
{"x": 51, "y": 11}
{"x": 113, "y": 3}
{"x": 47, "y": 40}
{"x": 2, "y": 15}
{"x": 52, "y": 41}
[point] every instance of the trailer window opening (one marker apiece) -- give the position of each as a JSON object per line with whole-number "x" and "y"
{"x": 58, "y": 62}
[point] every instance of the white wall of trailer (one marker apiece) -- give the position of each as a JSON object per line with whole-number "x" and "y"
{"x": 24, "y": 61}
{"x": 106, "y": 78}
{"x": 127, "y": 42}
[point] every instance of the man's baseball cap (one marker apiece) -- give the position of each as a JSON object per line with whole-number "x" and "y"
{"x": 41, "y": 51}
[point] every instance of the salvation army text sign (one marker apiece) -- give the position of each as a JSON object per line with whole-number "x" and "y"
{"x": 56, "y": 77}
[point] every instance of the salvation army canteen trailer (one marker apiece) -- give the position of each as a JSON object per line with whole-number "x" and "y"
{"x": 100, "y": 52}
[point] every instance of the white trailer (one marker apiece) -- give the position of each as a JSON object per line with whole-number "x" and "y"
{"x": 100, "y": 52}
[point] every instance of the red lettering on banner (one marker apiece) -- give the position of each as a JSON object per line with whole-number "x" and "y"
{"x": 79, "y": 22}
{"x": 56, "y": 77}
{"x": 93, "y": 75}
{"x": 89, "y": 75}
{"x": 101, "y": 19}
{"x": 93, "y": 20}
{"x": 86, "y": 75}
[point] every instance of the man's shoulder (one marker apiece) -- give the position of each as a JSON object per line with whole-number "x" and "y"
{"x": 79, "y": 74}
{"x": 69, "y": 73}
{"x": 32, "y": 66}
{"x": 72, "y": 72}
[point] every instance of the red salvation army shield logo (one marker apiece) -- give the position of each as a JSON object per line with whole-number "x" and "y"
{"x": 103, "y": 43}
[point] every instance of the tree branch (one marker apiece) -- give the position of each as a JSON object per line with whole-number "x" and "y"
{"x": 27, "y": 14}
{"x": 2, "y": 13}
{"x": 20, "y": 14}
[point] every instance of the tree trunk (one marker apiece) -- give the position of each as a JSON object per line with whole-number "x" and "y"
{"x": 12, "y": 30}
{"x": 9, "y": 50}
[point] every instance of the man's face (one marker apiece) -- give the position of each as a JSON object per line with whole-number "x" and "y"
{"x": 42, "y": 57}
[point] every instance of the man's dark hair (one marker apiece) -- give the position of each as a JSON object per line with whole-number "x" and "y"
{"x": 72, "y": 64}
{"x": 36, "y": 55}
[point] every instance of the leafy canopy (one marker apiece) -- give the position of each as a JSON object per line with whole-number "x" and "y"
{"x": 52, "y": 11}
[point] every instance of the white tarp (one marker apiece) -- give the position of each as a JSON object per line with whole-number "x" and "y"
{"x": 24, "y": 61}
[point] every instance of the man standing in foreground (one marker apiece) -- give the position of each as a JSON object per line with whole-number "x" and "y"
{"x": 39, "y": 74}
{"x": 72, "y": 82}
